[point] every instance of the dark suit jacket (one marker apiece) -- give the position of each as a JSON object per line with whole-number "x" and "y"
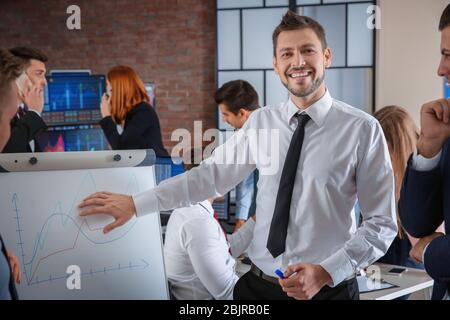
{"x": 12, "y": 287}
{"x": 141, "y": 131}
{"x": 424, "y": 204}
{"x": 24, "y": 130}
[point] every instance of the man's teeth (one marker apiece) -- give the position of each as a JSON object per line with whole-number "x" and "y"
{"x": 300, "y": 74}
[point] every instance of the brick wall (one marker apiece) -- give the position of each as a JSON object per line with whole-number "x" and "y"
{"x": 169, "y": 42}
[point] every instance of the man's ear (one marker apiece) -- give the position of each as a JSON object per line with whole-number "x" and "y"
{"x": 244, "y": 113}
{"x": 328, "y": 57}
{"x": 274, "y": 63}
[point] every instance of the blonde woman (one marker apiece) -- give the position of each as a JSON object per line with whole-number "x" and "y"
{"x": 401, "y": 135}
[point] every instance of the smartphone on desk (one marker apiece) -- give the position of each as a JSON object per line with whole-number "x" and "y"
{"x": 396, "y": 271}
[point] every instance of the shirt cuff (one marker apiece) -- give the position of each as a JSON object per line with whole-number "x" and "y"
{"x": 241, "y": 213}
{"x": 338, "y": 266}
{"x": 420, "y": 163}
{"x": 145, "y": 203}
{"x": 250, "y": 223}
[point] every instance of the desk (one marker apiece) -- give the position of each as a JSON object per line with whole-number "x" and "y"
{"x": 411, "y": 281}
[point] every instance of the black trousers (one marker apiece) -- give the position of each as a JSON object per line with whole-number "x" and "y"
{"x": 252, "y": 287}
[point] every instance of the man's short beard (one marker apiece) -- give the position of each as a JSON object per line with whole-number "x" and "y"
{"x": 304, "y": 93}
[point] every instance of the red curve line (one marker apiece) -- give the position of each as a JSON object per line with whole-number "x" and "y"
{"x": 62, "y": 250}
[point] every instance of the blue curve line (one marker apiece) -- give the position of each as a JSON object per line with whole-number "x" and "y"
{"x": 81, "y": 231}
{"x": 88, "y": 175}
{"x": 91, "y": 178}
{"x": 62, "y": 217}
{"x": 39, "y": 242}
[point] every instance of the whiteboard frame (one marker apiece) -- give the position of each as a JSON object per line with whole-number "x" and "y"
{"x": 84, "y": 160}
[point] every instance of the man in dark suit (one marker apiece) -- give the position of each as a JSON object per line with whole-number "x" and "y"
{"x": 27, "y": 124}
{"x": 425, "y": 197}
{"x": 10, "y": 69}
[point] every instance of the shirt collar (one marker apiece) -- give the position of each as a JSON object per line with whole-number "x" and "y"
{"x": 317, "y": 111}
{"x": 207, "y": 205}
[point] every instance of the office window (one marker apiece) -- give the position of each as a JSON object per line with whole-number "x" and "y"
{"x": 340, "y": 1}
{"x": 304, "y": 2}
{"x": 352, "y": 86}
{"x": 274, "y": 3}
{"x": 228, "y": 39}
{"x": 332, "y": 18}
{"x": 225, "y": 4}
{"x": 257, "y": 28}
{"x": 245, "y": 51}
{"x": 360, "y": 38}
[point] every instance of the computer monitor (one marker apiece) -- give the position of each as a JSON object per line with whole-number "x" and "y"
{"x": 222, "y": 207}
{"x": 73, "y": 98}
{"x": 73, "y": 138}
{"x": 166, "y": 167}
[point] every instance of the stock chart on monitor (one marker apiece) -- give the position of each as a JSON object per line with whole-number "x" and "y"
{"x": 73, "y": 99}
{"x": 73, "y": 138}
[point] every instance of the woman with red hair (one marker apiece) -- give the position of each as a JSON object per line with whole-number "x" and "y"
{"x": 128, "y": 119}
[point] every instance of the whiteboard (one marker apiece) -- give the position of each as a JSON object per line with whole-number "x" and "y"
{"x": 39, "y": 221}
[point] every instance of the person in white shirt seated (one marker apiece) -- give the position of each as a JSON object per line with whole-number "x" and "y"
{"x": 200, "y": 256}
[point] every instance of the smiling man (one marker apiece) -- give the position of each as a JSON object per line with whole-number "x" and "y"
{"x": 301, "y": 64}
{"x": 331, "y": 154}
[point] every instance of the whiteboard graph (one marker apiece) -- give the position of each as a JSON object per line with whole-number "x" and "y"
{"x": 44, "y": 230}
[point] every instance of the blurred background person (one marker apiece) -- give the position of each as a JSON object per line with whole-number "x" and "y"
{"x": 199, "y": 255}
{"x": 401, "y": 135}
{"x": 128, "y": 119}
{"x": 237, "y": 100}
{"x": 10, "y": 70}
{"x": 28, "y": 123}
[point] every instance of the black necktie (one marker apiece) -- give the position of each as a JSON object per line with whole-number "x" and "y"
{"x": 276, "y": 243}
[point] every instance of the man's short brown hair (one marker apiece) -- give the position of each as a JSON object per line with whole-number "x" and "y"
{"x": 27, "y": 54}
{"x": 236, "y": 95}
{"x": 292, "y": 21}
{"x": 445, "y": 19}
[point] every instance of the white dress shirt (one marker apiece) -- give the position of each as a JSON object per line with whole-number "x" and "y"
{"x": 198, "y": 263}
{"x": 344, "y": 157}
{"x": 420, "y": 163}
